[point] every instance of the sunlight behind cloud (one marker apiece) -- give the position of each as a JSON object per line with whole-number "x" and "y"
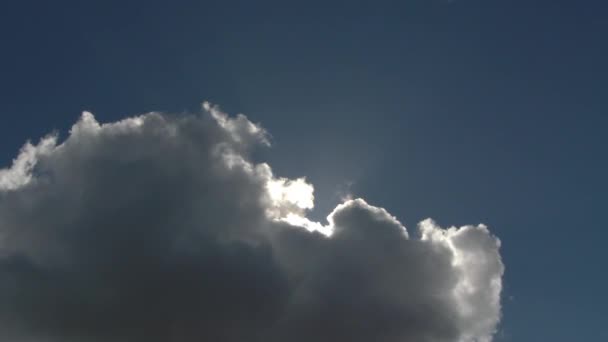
{"x": 163, "y": 227}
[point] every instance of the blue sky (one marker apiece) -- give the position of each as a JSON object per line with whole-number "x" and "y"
{"x": 466, "y": 111}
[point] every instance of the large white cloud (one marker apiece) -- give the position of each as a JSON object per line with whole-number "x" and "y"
{"x": 161, "y": 227}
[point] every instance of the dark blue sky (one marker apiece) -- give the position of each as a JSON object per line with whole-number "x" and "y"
{"x": 466, "y": 111}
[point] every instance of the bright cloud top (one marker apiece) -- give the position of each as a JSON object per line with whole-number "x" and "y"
{"x": 161, "y": 227}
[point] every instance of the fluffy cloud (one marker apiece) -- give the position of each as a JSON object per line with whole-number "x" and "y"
{"x": 162, "y": 228}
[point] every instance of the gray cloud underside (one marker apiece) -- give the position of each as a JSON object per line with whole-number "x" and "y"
{"x": 161, "y": 228}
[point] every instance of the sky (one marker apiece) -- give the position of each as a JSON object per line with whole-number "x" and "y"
{"x": 465, "y": 111}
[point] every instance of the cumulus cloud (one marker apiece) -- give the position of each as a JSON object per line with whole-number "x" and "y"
{"x": 163, "y": 228}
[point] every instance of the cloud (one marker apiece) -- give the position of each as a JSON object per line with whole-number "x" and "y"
{"x": 161, "y": 227}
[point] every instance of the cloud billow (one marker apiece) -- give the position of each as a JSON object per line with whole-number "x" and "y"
{"x": 162, "y": 228}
